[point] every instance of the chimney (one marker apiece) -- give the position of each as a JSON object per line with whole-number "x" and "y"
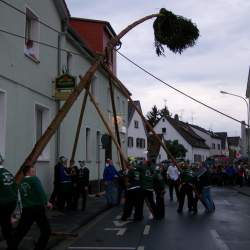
{"x": 176, "y": 117}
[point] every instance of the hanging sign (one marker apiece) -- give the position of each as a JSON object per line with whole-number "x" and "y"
{"x": 64, "y": 85}
{"x": 65, "y": 82}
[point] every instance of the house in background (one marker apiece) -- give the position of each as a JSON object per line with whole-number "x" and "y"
{"x": 224, "y": 143}
{"x": 156, "y": 152}
{"x": 234, "y": 145}
{"x": 137, "y": 134}
{"x": 211, "y": 139}
{"x": 174, "y": 129}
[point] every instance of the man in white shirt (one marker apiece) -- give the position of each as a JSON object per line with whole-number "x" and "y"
{"x": 173, "y": 180}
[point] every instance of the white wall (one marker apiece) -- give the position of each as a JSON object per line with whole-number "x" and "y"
{"x": 137, "y": 133}
{"x": 172, "y": 134}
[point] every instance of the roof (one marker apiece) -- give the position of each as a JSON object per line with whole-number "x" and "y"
{"x": 223, "y": 136}
{"x": 248, "y": 85}
{"x": 62, "y": 9}
{"x": 185, "y": 130}
{"x": 153, "y": 146}
{"x": 107, "y": 24}
{"x": 211, "y": 133}
{"x": 233, "y": 141}
{"x": 131, "y": 111}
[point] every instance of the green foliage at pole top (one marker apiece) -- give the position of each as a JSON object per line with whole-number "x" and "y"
{"x": 176, "y": 32}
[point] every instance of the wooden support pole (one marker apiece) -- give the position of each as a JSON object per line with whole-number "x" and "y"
{"x": 122, "y": 88}
{"x": 80, "y": 122}
{"x": 45, "y": 138}
{"x": 115, "y": 118}
{"x": 107, "y": 127}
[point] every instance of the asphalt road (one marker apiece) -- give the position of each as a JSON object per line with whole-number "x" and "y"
{"x": 226, "y": 229}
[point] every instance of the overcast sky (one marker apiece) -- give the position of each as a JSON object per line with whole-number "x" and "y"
{"x": 219, "y": 61}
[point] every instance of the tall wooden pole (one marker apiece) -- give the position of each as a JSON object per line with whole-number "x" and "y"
{"x": 45, "y": 138}
{"x": 138, "y": 110}
{"x": 105, "y": 122}
{"x": 80, "y": 122}
{"x": 115, "y": 118}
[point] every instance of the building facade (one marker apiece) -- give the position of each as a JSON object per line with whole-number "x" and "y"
{"x": 137, "y": 134}
{"x": 173, "y": 129}
{"x": 27, "y": 89}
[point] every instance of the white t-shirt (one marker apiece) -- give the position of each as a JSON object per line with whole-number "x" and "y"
{"x": 173, "y": 173}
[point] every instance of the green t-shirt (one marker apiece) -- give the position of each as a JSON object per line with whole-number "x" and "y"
{"x": 8, "y": 187}
{"x": 32, "y": 193}
{"x": 147, "y": 177}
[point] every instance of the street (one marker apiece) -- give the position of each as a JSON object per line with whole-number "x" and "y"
{"x": 227, "y": 228}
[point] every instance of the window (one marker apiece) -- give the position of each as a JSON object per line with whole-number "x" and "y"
{"x": 130, "y": 142}
{"x": 142, "y": 143}
{"x": 87, "y": 148}
{"x": 136, "y": 124}
{"x": 219, "y": 146}
{"x": 31, "y": 35}
{"x": 41, "y": 124}
{"x": 163, "y": 130}
{"x": 2, "y": 122}
{"x": 213, "y": 145}
{"x": 138, "y": 142}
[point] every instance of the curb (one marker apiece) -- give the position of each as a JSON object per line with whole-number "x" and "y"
{"x": 241, "y": 192}
{"x": 53, "y": 242}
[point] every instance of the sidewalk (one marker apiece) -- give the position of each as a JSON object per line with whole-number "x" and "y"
{"x": 65, "y": 224}
{"x": 245, "y": 190}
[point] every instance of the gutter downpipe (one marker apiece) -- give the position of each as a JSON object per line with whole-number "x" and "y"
{"x": 59, "y": 59}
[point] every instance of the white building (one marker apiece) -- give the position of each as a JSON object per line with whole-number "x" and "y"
{"x": 211, "y": 139}
{"x": 137, "y": 134}
{"x": 27, "y": 103}
{"x": 173, "y": 129}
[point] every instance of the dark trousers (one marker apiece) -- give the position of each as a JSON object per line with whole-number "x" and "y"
{"x": 133, "y": 199}
{"x": 29, "y": 216}
{"x": 173, "y": 185}
{"x": 148, "y": 196}
{"x": 5, "y": 222}
{"x": 84, "y": 194}
{"x": 160, "y": 206}
{"x": 186, "y": 190}
{"x": 64, "y": 195}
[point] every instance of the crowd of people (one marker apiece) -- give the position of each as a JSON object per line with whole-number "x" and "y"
{"x": 145, "y": 182}
{"x": 137, "y": 184}
{"x": 232, "y": 174}
{"x": 70, "y": 182}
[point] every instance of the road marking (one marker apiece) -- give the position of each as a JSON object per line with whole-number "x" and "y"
{"x": 121, "y": 231}
{"x": 146, "y": 230}
{"x": 227, "y": 202}
{"x": 218, "y": 241}
{"x": 140, "y": 248}
{"x": 118, "y": 217}
{"x": 107, "y": 248}
{"x": 120, "y": 223}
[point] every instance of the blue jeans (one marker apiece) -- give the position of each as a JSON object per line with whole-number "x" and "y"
{"x": 207, "y": 199}
{"x": 111, "y": 193}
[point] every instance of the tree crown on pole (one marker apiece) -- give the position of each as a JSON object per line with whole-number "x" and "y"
{"x": 175, "y": 32}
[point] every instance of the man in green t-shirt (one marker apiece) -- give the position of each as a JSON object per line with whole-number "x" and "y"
{"x": 34, "y": 201}
{"x": 8, "y": 200}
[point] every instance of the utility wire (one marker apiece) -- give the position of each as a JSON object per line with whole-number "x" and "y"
{"x": 179, "y": 91}
{"x": 121, "y": 54}
{"x": 24, "y": 13}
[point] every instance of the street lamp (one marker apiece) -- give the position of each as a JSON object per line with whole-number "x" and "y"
{"x": 245, "y": 100}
